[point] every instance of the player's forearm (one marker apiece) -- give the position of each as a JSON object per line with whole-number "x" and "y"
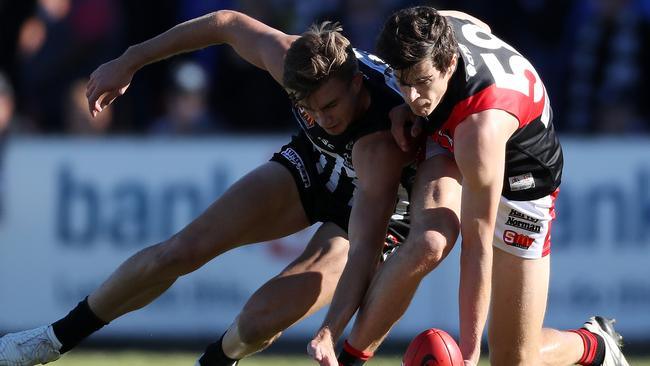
{"x": 367, "y": 230}
{"x": 474, "y": 295}
{"x": 350, "y": 291}
{"x": 374, "y": 201}
{"x": 194, "y": 34}
{"x": 477, "y": 230}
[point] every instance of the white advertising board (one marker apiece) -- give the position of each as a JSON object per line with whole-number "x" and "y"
{"x": 73, "y": 210}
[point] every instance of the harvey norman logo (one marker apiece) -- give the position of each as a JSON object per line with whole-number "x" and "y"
{"x": 519, "y": 215}
{"x": 522, "y": 221}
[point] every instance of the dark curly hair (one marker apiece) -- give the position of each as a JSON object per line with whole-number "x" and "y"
{"x": 414, "y": 34}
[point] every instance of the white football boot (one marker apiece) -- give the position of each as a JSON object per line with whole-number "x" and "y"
{"x": 29, "y": 347}
{"x": 613, "y": 341}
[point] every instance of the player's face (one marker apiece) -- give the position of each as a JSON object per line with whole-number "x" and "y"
{"x": 423, "y": 86}
{"x": 335, "y": 104}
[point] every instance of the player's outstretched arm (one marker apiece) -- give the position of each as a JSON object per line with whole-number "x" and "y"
{"x": 253, "y": 40}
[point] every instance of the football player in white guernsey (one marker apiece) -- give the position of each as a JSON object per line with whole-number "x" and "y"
{"x": 345, "y": 111}
{"x": 492, "y": 171}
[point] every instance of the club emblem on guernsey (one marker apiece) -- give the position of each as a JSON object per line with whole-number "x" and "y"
{"x": 309, "y": 120}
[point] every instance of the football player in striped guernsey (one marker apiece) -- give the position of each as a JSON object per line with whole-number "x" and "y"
{"x": 343, "y": 169}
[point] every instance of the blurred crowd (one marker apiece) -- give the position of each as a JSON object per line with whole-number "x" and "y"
{"x": 589, "y": 52}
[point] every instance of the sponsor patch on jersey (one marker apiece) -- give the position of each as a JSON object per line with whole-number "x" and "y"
{"x": 517, "y": 240}
{"x": 470, "y": 68}
{"x": 295, "y": 159}
{"x": 521, "y": 182}
{"x": 523, "y": 225}
{"x": 516, "y": 214}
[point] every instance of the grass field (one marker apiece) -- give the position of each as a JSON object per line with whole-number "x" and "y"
{"x": 186, "y": 359}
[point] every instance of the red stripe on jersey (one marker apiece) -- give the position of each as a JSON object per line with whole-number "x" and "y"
{"x": 519, "y": 105}
{"x": 546, "y": 249}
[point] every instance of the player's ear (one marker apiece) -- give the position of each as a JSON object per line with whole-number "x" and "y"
{"x": 357, "y": 82}
{"x": 452, "y": 65}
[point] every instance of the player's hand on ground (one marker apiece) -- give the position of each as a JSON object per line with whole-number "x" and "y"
{"x": 321, "y": 348}
{"x": 106, "y": 83}
{"x": 405, "y": 127}
{"x": 472, "y": 355}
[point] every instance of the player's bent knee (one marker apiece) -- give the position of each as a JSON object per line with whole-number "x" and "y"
{"x": 428, "y": 249}
{"x": 332, "y": 260}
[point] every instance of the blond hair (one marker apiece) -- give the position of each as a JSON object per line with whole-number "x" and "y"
{"x": 320, "y": 53}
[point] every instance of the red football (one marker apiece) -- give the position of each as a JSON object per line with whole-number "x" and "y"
{"x": 433, "y": 347}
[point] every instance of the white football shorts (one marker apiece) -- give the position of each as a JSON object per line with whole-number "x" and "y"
{"x": 523, "y": 228}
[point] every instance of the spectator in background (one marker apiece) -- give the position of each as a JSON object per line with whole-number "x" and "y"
{"x": 40, "y": 45}
{"x": 608, "y": 72}
{"x": 145, "y": 98}
{"x": 6, "y": 112}
{"x": 77, "y": 119}
{"x": 364, "y": 20}
{"x": 186, "y": 110}
{"x": 10, "y": 123}
{"x": 600, "y": 91}
{"x": 61, "y": 42}
{"x": 308, "y": 11}
{"x": 189, "y": 9}
{"x": 279, "y": 13}
{"x": 526, "y": 26}
{"x": 7, "y": 106}
{"x": 12, "y": 17}
{"x": 227, "y": 100}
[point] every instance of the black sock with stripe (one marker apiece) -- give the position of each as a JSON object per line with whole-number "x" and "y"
{"x": 80, "y": 323}
{"x": 351, "y": 356}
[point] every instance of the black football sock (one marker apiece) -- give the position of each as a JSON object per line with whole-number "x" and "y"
{"x": 351, "y": 356}
{"x": 594, "y": 348}
{"x": 76, "y": 326}
{"x": 214, "y": 355}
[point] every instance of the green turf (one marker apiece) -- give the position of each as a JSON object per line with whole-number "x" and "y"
{"x": 85, "y": 358}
